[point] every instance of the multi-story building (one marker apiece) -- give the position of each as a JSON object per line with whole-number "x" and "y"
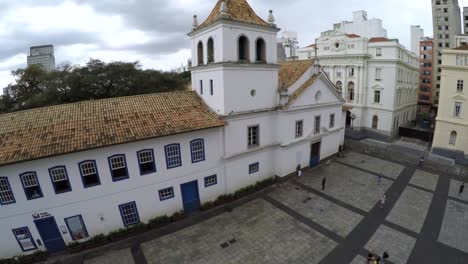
{"x": 289, "y": 43}
{"x": 451, "y": 133}
{"x": 465, "y": 20}
{"x": 378, "y": 77}
{"x": 42, "y": 55}
{"x": 446, "y": 24}
{"x": 73, "y": 171}
{"x": 417, "y": 34}
{"x": 426, "y": 60}
{"x": 362, "y": 26}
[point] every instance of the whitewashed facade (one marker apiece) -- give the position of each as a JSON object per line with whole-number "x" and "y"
{"x": 268, "y": 132}
{"x": 378, "y": 78}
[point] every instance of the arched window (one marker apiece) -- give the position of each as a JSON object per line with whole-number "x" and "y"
{"x": 351, "y": 91}
{"x": 243, "y": 46}
{"x": 261, "y": 51}
{"x": 339, "y": 85}
{"x": 210, "y": 50}
{"x": 453, "y": 138}
{"x": 200, "y": 53}
{"x": 375, "y": 122}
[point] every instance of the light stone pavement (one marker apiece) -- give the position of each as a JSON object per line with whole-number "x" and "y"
{"x": 398, "y": 245}
{"x": 297, "y": 222}
{"x": 411, "y": 145}
{"x": 327, "y": 214}
{"x": 454, "y": 231}
{"x": 349, "y": 185}
{"x": 455, "y": 187}
{"x": 375, "y": 165}
{"x": 262, "y": 234}
{"x": 123, "y": 256}
{"x": 425, "y": 180}
{"x": 411, "y": 209}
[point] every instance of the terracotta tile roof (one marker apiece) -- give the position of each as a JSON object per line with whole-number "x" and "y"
{"x": 238, "y": 10}
{"x": 352, "y": 36}
{"x": 291, "y": 71}
{"x": 379, "y": 39}
{"x": 56, "y": 130}
{"x": 464, "y": 47}
{"x": 293, "y": 97}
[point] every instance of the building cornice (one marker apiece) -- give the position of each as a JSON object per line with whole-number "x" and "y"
{"x": 460, "y": 123}
{"x": 454, "y": 67}
{"x": 397, "y": 61}
{"x": 235, "y": 64}
{"x": 226, "y": 21}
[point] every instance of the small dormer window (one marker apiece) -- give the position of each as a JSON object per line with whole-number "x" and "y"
{"x": 210, "y": 50}
{"x": 243, "y": 47}
{"x": 261, "y": 51}
{"x": 337, "y": 45}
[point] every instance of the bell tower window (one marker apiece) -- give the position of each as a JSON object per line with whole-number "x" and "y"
{"x": 261, "y": 51}
{"x": 210, "y": 50}
{"x": 200, "y": 53}
{"x": 243, "y": 48}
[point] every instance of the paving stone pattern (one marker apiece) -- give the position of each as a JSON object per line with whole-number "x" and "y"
{"x": 254, "y": 233}
{"x": 411, "y": 209}
{"x": 425, "y": 180}
{"x": 327, "y": 214}
{"x": 374, "y": 165}
{"x": 113, "y": 257}
{"x": 352, "y": 186}
{"x": 398, "y": 245}
{"x": 454, "y": 231}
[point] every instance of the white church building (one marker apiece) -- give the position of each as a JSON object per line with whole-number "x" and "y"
{"x": 378, "y": 78}
{"x": 73, "y": 171}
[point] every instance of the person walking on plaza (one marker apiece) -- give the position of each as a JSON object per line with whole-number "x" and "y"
{"x": 299, "y": 171}
{"x": 385, "y": 257}
{"x": 379, "y": 179}
{"x": 462, "y": 187}
{"x": 324, "y": 181}
{"x": 370, "y": 258}
{"x": 421, "y": 160}
{"x": 383, "y": 199}
{"x": 377, "y": 261}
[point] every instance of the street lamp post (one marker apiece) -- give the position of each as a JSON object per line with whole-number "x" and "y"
{"x": 353, "y": 116}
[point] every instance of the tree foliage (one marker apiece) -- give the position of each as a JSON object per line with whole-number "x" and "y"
{"x": 36, "y": 87}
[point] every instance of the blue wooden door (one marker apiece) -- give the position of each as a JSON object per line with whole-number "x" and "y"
{"x": 50, "y": 234}
{"x": 314, "y": 155}
{"x": 190, "y": 197}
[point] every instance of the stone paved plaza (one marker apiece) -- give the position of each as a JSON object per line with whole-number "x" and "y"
{"x": 424, "y": 220}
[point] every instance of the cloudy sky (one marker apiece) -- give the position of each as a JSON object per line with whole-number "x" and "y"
{"x": 154, "y": 31}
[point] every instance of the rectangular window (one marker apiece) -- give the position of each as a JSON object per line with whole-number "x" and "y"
{"x": 254, "y": 167}
{"x": 89, "y": 173}
{"x": 201, "y": 87}
{"x": 197, "y": 148}
{"x": 211, "y": 87}
{"x": 118, "y": 167}
{"x": 165, "y": 194}
{"x": 31, "y": 186}
{"x": 6, "y": 195}
{"x": 376, "y": 96}
{"x": 457, "y": 110}
{"x": 59, "y": 178}
{"x": 24, "y": 238}
{"x": 338, "y": 72}
{"x": 146, "y": 161}
{"x": 173, "y": 158}
{"x": 129, "y": 213}
{"x": 378, "y": 52}
{"x": 76, "y": 227}
{"x": 378, "y": 74}
{"x": 253, "y": 136}
{"x": 211, "y": 180}
{"x": 460, "y": 86}
{"x": 332, "y": 121}
{"x": 299, "y": 128}
{"x": 351, "y": 72}
{"x": 317, "y": 125}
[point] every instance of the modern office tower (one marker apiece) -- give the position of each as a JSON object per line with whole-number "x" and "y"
{"x": 465, "y": 20}
{"x": 417, "y": 34}
{"x": 446, "y": 24}
{"x": 426, "y": 59}
{"x": 42, "y": 55}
